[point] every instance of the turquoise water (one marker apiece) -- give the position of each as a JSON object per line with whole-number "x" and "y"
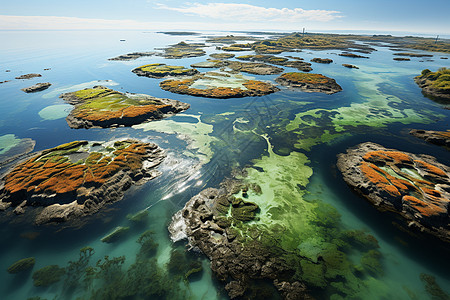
{"x": 204, "y": 144}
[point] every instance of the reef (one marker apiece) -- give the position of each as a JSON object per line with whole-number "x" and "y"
{"x": 350, "y": 66}
{"x": 309, "y": 82}
{"x": 322, "y": 60}
{"x": 76, "y": 179}
{"x": 237, "y": 66}
{"x": 183, "y": 50}
{"x": 297, "y": 63}
{"x": 432, "y": 287}
{"x": 163, "y": 70}
{"x": 219, "y": 85}
{"x": 132, "y": 56}
{"x": 401, "y": 59}
{"x": 29, "y": 76}
{"x": 352, "y": 55}
{"x": 21, "y": 265}
{"x": 435, "y": 84}
{"x": 441, "y": 138}
{"x": 102, "y": 107}
{"x": 414, "y": 187}
{"x": 37, "y": 87}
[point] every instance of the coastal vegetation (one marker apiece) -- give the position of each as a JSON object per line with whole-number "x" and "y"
{"x": 435, "y": 84}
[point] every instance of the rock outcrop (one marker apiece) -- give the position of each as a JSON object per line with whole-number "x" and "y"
{"x": 29, "y": 76}
{"x": 163, "y": 70}
{"x": 78, "y": 178}
{"x": 435, "y": 84}
{"x": 415, "y": 187}
{"x": 202, "y": 221}
{"x": 219, "y": 85}
{"x": 37, "y": 87}
{"x": 238, "y": 66}
{"x": 322, "y": 60}
{"x": 441, "y": 138}
{"x": 350, "y": 66}
{"x": 309, "y": 82}
{"x": 102, "y": 107}
{"x": 297, "y": 63}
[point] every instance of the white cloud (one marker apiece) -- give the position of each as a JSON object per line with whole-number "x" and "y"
{"x": 246, "y": 12}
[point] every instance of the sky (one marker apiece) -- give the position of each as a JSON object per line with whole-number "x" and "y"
{"x": 412, "y": 16}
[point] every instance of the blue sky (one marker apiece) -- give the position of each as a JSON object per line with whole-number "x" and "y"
{"x": 385, "y": 15}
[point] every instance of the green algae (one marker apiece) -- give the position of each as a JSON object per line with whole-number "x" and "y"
{"x": 21, "y": 265}
{"x": 48, "y": 275}
{"x": 197, "y": 134}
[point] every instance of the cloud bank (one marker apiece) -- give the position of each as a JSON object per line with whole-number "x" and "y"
{"x": 246, "y": 12}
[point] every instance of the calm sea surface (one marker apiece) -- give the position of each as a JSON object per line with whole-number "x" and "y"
{"x": 205, "y": 143}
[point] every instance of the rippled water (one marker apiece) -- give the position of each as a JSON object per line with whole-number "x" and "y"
{"x": 379, "y": 103}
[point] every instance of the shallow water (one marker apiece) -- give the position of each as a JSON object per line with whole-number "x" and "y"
{"x": 379, "y": 103}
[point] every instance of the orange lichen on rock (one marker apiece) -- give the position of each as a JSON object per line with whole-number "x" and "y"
{"x": 252, "y": 87}
{"x": 40, "y": 175}
{"x": 390, "y": 156}
{"x": 423, "y": 208}
{"x": 430, "y": 168}
{"x": 374, "y": 176}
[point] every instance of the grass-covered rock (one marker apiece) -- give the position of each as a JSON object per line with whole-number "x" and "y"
{"x": 435, "y": 84}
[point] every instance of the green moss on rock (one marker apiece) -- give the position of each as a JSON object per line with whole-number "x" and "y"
{"x": 21, "y": 265}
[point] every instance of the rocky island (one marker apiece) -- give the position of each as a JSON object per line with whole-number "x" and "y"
{"x": 183, "y": 50}
{"x": 238, "y": 66}
{"x": 132, "y": 56}
{"x": 28, "y": 76}
{"x": 102, "y": 107}
{"x": 309, "y": 82}
{"x": 37, "y": 87}
{"x": 77, "y": 179}
{"x": 297, "y": 63}
{"x": 219, "y": 85}
{"x": 435, "y": 84}
{"x": 414, "y": 187}
{"x": 322, "y": 60}
{"x": 440, "y": 138}
{"x": 163, "y": 70}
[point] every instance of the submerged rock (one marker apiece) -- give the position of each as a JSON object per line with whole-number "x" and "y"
{"x": 416, "y": 187}
{"x": 219, "y": 85}
{"x": 115, "y": 235}
{"x": 78, "y": 178}
{"x": 163, "y": 70}
{"x": 309, "y": 82}
{"x": 435, "y": 84}
{"x": 102, "y": 107}
{"x": 48, "y": 275}
{"x": 29, "y": 76}
{"x": 37, "y": 87}
{"x": 413, "y": 54}
{"x": 441, "y": 138}
{"x": 21, "y": 265}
